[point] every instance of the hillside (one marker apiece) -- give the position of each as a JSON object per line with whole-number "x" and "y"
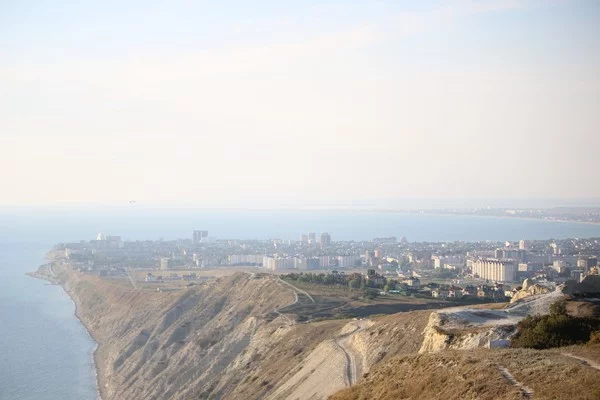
{"x": 459, "y": 358}
{"x": 255, "y": 336}
{"x": 481, "y": 374}
{"x": 233, "y": 338}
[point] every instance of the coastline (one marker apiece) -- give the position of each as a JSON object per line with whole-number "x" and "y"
{"x": 441, "y": 214}
{"x": 96, "y": 354}
{"x": 98, "y": 359}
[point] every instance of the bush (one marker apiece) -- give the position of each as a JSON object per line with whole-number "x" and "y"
{"x": 371, "y": 294}
{"x": 554, "y": 330}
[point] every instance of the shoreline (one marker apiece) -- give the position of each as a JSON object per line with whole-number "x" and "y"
{"x": 100, "y": 381}
{"x": 441, "y": 214}
{"x": 96, "y": 357}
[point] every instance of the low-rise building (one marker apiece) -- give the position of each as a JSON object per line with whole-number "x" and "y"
{"x": 412, "y": 282}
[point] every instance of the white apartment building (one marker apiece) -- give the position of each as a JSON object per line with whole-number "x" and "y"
{"x": 348, "y": 261}
{"x": 245, "y": 259}
{"x": 494, "y": 270}
{"x": 277, "y": 263}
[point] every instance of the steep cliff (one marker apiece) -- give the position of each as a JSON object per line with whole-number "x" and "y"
{"x": 218, "y": 340}
{"x": 464, "y": 328}
{"x": 228, "y": 339}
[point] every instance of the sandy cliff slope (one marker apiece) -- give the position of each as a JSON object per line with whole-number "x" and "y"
{"x": 229, "y": 339}
{"x": 238, "y": 338}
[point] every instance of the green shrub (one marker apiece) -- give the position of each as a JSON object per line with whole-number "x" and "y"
{"x": 554, "y": 330}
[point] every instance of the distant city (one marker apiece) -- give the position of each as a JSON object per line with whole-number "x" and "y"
{"x": 394, "y": 265}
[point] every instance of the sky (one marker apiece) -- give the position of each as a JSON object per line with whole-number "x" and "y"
{"x": 295, "y": 103}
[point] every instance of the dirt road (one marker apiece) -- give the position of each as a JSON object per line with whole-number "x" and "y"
{"x": 354, "y": 358}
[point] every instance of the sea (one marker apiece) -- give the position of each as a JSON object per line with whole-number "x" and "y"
{"x": 45, "y": 352}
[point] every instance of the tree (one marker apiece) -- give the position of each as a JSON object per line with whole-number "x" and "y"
{"x": 354, "y": 283}
{"x": 371, "y": 293}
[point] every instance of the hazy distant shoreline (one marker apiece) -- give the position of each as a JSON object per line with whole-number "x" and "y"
{"x": 442, "y": 214}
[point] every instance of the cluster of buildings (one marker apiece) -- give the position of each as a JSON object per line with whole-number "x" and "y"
{"x": 478, "y": 261}
{"x": 151, "y": 278}
{"x": 277, "y": 262}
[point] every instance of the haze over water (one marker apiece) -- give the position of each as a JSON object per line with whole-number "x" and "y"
{"x": 152, "y": 224}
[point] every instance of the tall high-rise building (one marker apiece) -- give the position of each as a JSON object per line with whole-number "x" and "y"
{"x": 325, "y": 239}
{"x": 522, "y": 245}
{"x": 499, "y": 253}
{"x": 199, "y": 236}
{"x": 312, "y": 238}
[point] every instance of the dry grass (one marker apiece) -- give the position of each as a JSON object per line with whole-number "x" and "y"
{"x": 450, "y": 375}
{"x": 591, "y": 352}
{"x": 475, "y": 375}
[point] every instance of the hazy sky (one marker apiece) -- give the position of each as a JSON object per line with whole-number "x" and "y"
{"x": 297, "y": 102}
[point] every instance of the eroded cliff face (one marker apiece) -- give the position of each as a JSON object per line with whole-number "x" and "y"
{"x": 439, "y": 335}
{"x": 466, "y": 328}
{"x": 401, "y": 333}
{"x": 228, "y": 340}
{"x": 348, "y": 354}
{"x": 202, "y": 342}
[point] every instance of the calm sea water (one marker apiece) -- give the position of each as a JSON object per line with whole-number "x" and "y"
{"x": 45, "y": 353}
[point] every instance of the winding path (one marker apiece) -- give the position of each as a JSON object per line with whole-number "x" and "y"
{"x": 352, "y": 367}
{"x": 584, "y": 361}
{"x": 297, "y": 290}
{"x": 525, "y": 391}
